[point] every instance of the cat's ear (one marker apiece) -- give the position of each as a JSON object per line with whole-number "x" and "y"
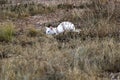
{"x": 51, "y": 27}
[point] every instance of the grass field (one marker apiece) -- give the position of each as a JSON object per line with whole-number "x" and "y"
{"x": 27, "y": 53}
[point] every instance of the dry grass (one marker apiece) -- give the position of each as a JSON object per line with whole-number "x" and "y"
{"x": 92, "y": 54}
{"x": 45, "y": 58}
{"x": 25, "y": 10}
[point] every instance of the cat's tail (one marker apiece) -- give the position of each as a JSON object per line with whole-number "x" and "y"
{"x": 77, "y": 30}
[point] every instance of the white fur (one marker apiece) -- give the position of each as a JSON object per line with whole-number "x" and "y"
{"x": 64, "y": 26}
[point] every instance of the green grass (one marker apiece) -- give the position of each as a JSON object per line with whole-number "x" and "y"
{"x": 6, "y": 31}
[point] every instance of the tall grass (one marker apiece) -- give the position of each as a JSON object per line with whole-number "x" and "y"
{"x": 6, "y": 31}
{"x": 46, "y": 60}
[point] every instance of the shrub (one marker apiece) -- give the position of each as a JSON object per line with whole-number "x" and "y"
{"x": 6, "y": 31}
{"x": 32, "y": 32}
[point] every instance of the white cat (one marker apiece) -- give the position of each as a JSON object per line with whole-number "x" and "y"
{"x": 64, "y": 26}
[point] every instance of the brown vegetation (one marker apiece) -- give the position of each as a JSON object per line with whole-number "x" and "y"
{"x": 27, "y": 53}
